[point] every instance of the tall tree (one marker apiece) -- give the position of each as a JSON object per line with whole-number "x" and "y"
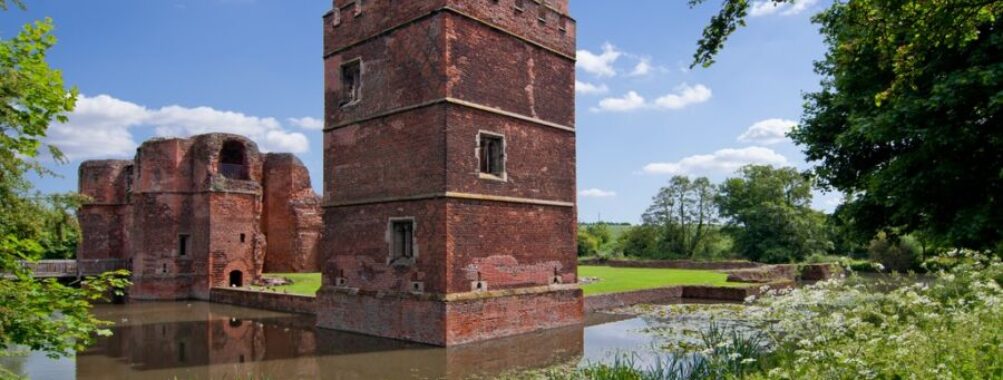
{"x": 769, "y": 215}
{"x": 683, "y": 210}
{"x": 39, "y": 314}
{"x": 908, "y": 117}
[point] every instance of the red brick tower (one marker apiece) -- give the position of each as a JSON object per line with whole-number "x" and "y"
{"x": 449, "y": 169}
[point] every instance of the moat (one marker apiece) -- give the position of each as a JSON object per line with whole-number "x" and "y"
{"x": 199, "y": 340}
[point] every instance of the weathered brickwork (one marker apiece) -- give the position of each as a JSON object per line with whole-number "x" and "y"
{"x": 494, "y": 252}
{"x": 189, "y": 214}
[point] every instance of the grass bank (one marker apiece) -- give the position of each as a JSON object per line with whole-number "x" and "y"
{"x": 610, "y": 279}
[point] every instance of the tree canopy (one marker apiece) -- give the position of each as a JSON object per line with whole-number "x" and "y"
{"x": 770, "y": 216}
{"x": 42, "y": 315}
{"x": 907, "y": 120}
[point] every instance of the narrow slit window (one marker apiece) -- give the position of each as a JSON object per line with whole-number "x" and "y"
{"x": 243, "y": 237}
{"x": 491, "y": 151}
{"x": 183, "y": 245}
{"x": 403, "y": 239}
{"x": 541, "y": 12}
{"x": 351, "y": 82}
{"x": 520, "y": 5}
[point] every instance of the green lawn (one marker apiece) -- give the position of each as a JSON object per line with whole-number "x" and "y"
{"x": 611, "y": 280}
{"x": 616, "y": 280}
{"x": 303, "y": 283}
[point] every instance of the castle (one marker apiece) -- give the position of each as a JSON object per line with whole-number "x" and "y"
{"x": 192, "y": 214}
{"x": 449, "y": 211}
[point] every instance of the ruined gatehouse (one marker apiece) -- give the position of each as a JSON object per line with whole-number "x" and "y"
{"x": 191, "y": 214}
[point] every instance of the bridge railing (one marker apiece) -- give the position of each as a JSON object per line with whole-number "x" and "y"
{"x": 74, "y": 268}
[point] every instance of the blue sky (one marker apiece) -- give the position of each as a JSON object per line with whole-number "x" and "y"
{"x": 182, "y": 67}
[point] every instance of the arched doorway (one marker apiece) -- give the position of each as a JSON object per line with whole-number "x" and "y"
{"x": 236, "y": 279}
{"x": 233, "y": 160}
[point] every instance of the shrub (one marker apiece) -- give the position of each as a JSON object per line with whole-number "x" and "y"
{"x": 641, "y": 241}
{"x": 588, "y": 245}
{"x": 896, "y": 253}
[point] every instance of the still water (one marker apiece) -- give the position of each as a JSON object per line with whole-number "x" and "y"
{"x": 198, "y": 340}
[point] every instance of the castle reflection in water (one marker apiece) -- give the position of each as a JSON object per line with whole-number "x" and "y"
{"x": 196, "y": 340}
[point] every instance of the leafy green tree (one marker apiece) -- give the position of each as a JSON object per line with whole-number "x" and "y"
{"x": 769, "y": 215}
{"x": 685, "y": 211}
{"x": 907, "y": 119}
{"x": 641, "y": 241}
{"x": 42, "y": 315}
{"x": 588, "y": 244}
{"x": 601, "y": 232}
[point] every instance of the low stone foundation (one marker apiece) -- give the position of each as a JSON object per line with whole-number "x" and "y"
{"x": 290, "y": 303}
{"x": 674, "y": 264}
{"x": 456, "y": 319}
{"x": 617, "y": 300}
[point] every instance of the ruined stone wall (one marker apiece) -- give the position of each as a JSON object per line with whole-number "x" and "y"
{"x": 180, "y": 192}
{"x": 291, "y": 217}
{"x": 105, "y": 217}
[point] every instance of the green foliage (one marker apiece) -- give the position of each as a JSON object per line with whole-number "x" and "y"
{"x": 39, "y": 314}
{"x": 907, "y": 119}
{"x": 641, "y": 241}
{"x": 769, "y": 215}
{"x": 900, "y": 328}
{"x": 895, "y": 253}
{"x": 588, "y": 244}
{"x": 685, "y": 212}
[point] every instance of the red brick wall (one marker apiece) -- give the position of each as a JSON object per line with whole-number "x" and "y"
{"x": 484, "y": 64}
{"x": 539, "y": 164}
{"x": 489, "y": 318}
{"x": 526, "y": 23}
{"x": 511, "y": 245}
{"x": 289, "y": 303}
{"x": 403, "y": 68}
{"x": 395, "y": 156}
{"x": 356, "y": 243}
{"x": 617, "y": 300}
{"x": 291, "y": 217}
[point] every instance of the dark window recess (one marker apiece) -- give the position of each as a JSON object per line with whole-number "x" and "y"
{"x": 242, "y": 238}
{"x": 492, "y": 155}
{"x": 351, "y": 82}
{"x": 403, "y": 239}
{"x": 182, "y": 245}
{"x": 182, "y": 357}
{"x": 541, "y": 13}
{"x": 520, "y": 5}
{"x": 233, "y": 161}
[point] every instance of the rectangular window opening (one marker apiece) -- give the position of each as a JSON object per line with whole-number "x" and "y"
{"x": 351, "y": 82}
{"x": 403, "y": 239}
{"x": 491, "y": 151}
{"x": 183, "y": 245}
{"x": 520, "y": 5}
{"x": 242, "y": 238}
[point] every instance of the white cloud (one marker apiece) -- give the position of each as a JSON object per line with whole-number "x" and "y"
{"x": 596, "y": 193}
{"x": 599, "y": 64}
{"x": 587, "y": 88}
{"x": 629, "y": 102}
{"x": 723, "y": 161}
{"x": 307, "y": 123}
{"x": 769, "y": 7}
{"x": 642, "y": 68}
{"x": 768, "y": 132}
{"x": 683, "y": 96}
{"x": 102, "y": 126}
{"x": 98, "y": 127}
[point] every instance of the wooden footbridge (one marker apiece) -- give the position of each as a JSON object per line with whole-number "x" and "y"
{"x": 74, "y": 268}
